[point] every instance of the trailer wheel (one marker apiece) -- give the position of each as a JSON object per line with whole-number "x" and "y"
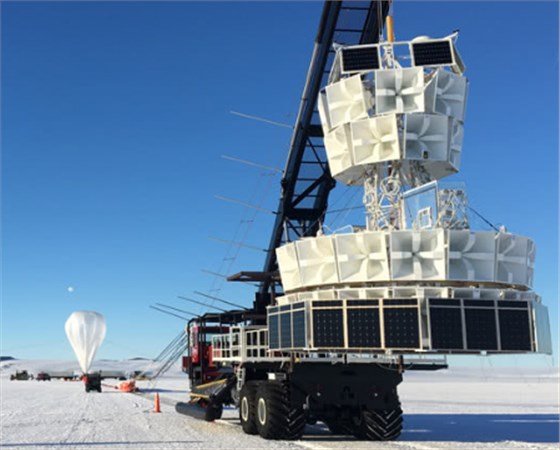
{"x": 380, "y": 424}
{"x": 296, "y": 423}
{"x": 275, "y": 417}
{"x": 247, "y": 406}
{"x": 271, "y": 411}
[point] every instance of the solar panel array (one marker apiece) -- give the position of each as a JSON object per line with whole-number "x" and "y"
{"x": 432, "y": 53}
{"x": 453, "y": 325}
{"x": 360, "y": 59}
{"x": 486, "y": 323}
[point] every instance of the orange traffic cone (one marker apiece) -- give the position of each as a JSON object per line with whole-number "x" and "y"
{"x": 156, "y": 406}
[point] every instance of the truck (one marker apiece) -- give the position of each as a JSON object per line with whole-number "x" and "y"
{"x": 43, "y": 376}
{"x": 92, "y": 381}
{"x": 66, "y": 375}
{"x": 343, "y": 314}
{"x": 117, "y": 374}
{"x": 21, "y": 375}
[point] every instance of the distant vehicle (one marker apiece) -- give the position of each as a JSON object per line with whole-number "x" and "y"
{"x": 66, "y": 375}
{"x": 43, "y": 376}
{"x": 92, "y": 382}
{"x": 117, "y": 374}
{"x": 21, "y": 375}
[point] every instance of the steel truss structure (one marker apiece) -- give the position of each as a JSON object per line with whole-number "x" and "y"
{"x": 307, "y": 180}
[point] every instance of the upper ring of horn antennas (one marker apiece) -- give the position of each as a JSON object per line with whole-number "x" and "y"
{"x": 392, "y": 116}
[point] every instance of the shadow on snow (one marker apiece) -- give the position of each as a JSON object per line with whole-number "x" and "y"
{"x": 162, "y": 391}
{"x": 469, "y": 428}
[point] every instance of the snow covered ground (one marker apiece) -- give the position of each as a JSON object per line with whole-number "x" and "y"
{"x": 453, "y": 409}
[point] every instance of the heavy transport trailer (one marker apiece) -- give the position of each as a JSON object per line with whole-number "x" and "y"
{"x": 229, "y": 362}
{"x": 283, "y": 376}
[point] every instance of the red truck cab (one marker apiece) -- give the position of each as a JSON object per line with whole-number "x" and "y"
{"x": 198, "y": 361}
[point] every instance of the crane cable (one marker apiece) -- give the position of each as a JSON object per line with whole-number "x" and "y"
{"x": 483, "y": 218}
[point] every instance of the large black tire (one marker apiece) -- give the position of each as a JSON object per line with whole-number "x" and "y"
{"x": 271, "y": 411}
{"x": 275, "y": 418}
{"x": 380, "y": 424}
{"x": 296, "y": 423}
{"x": 247, "y": 407}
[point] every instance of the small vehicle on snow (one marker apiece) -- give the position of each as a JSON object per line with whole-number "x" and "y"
{"x": 21, "y": 375}
{"x": 92, "y": 382}
{"x": 43, "y": 376}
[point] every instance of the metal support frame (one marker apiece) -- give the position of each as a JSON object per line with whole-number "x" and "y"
{"x": 307, "y": 181}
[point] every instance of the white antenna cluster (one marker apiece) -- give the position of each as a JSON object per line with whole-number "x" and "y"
{"x": 391, "y": 127}
{"x": 393, "y": 116}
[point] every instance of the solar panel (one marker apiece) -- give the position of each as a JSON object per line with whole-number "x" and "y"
{"x": 401, "y": 327}
{"x": 432, "y": 53}
{"x": 362, "y": 302}
{"x": 481, "y": 329}
{"x": 273, "y": 341}
{"x": 360, "y": 59}
{"x": 328, "y": 328}
{"x": 400, "y": 302}
{"x": 299, "y": 336}
{"x": 286, "y": 330}
{"x": 327, "y": 303}
{"x": 515, "y": 333}
{"x": 363, "y": 328}
{"x": 446, "y": 327}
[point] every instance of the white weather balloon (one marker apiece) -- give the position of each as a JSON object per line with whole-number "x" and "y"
{"x": 86, "y": 331}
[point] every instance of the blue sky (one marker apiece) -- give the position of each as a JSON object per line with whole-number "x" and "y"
{"x": 114, "y": 117}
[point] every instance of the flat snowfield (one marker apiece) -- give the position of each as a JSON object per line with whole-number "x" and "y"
{"x": 452, "y": 409}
